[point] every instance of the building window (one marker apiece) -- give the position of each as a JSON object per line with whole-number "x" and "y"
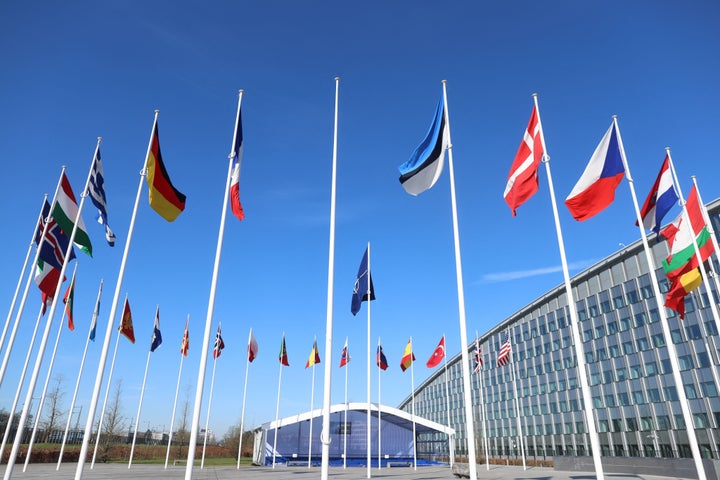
{"x": 643, "y": 344}
{"x": 690, "y": 391}
{"x": 597, "y": 402}
{"x": 701, "y": 420}
{"x": 632, "y": 424}
{"x": 651, "y": 369}
{"x": 710, "y": 328}
{"x": 709, "y": 389}
{"x": 610, "y": 400}
{"x": 666, "y": 365}
{"x": 638, "y": 397}
{"x": 614, "y": 351}
{"x": 612, "y": 327}
{"x": 703, "y": 359}
{"x": 640, "y": 319}
{"x": 663, "y": 422}
{"x": 670, "y": 393}
{"x": 625, "y": 324}
{"x": 603, "y": 426}
{"x": 647, "y": 423}
{"x": 686, "y": 362}
{"x": 658, "y": 340}
{"x": 693, "y": 332}
{"x": 628, "y": 348}
{"x": 621, "y": 374}
{"x": 653, "y": 395}
{"x": 617, "y": 425}
{"x": 635, "y": 371}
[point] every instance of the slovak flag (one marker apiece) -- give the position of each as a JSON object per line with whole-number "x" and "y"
{"x": 596, "y": 188}
{"x": 344, "y": 356}
{"x": 660, "y": 200}
{"x": 236, "y": 156}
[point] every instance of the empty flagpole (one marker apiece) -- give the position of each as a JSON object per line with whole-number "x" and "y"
{"x": 211, "y": 306}
{"x": 672, "y": 353}
{"x": 412, "y": 386}
{"x": 207, "y": 416}
{"x": 467, "y": 398}
{"x": 177, "y": 390}
{"x": 347, "y": 354}
{"x": 242, "y": 411}
{"x": 369, "y": 417}
{"x": 325, "y": 432}
{"x": 312, "y": 404}
{"x": 111, "y": 317}
{"x": 482, "y": 402}
{"x": 79, "y": 376}
{"x": 577, "y": 340}
{"x": 277, "y": 405}
{"x": 521, "y": 440}
{"x": 451, "y": 452}
{"x": 41, "y": 223}
{"x": 48, "y": 326}
{"x": 47, "y": 379}
{"x": 137, "y": 417}
{"x": 379, "y": 408}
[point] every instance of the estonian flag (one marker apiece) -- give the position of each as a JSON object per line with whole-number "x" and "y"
{"x": 426, "y": 162}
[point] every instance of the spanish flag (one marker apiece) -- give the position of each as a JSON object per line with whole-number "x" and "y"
{"x": 165, "y": 199}
{"x": 408, "y": 357}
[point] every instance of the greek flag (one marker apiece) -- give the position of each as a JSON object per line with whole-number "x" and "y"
{"x": 96, "y": 189}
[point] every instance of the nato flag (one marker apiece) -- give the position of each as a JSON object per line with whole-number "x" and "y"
{"x": 363, "y": 290}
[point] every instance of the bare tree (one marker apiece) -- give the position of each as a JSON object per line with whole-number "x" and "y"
{"x": 53, "y": 400}
{"x": 183, "y": 436}
{"x": 114, "y": 423}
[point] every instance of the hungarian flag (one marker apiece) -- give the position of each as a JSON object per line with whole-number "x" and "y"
{"x": 314, "y": 356}
{"x": 522, "y": 182}
{"x": 283, "y": 356}
{"x": 596, "y": 188}
{"x": 380, "y": 359}
{"x": 236, "y": 156}
{"x": 408, "y": 357}
{"x": 165, "y": 199}
{"x": 185, "y": 345}
{"x": 503, "y": 357}
{"x": 344, "y": 356}
{"x": 219, "y": 344}
{"x": 126, "y": 325}
{"x": 65, "y": 211}
{"x": 252, "y": 347}
{"x": 437, "y": 355}
{"x": 156, "y": 336}
{"x": 68, "y": 300}
{"x": 660, "y": 200}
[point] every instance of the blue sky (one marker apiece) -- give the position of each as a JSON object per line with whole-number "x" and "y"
{"x": 74, "y": 71}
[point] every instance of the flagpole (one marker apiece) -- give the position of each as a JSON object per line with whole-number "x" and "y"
{"x": 277, "y": 406}
{"x": 325, "y": 433}
{"x": 177, "y": 390}
{"x": 41, "y": 222}
{"x": 451, "y": 454}
{"x": 111, "y": 317}
{"x": 242, "y": 412}
{"x": 379, "y": 411}
{"x": 137, "y": 417}
{"x": 369, "y": 417}
{"x": 577, "y": 340}
{"x": 412, "y": 384}
{"x": 312, "y": 407}
{"x": 209, "y": 317}
{"x": 461, "y": 305}
{"x": 521, "y": 440}
{"x": 79, "y": 376}
{"x": 48, "y": 326}
{"x": 708, "y": 223}
{"x": 21, "y": 307}
{"x": 207, "y": 417}
{"x": 672, "y": 353}
{"x": 47, "y": 380}
{"x": 482, "y": 407}
{"x": 346, "y": 405}
{"x": 18, "y": 391}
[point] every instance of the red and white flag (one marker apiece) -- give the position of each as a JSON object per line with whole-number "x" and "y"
{"x": 252, "y": 347}
{"x": 437, "y": 355}
{"x": 236, "y": 156}
{"x": 522, "y": 182}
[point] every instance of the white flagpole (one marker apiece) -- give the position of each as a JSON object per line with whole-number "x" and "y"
{"x": 467, "y": 398}
{"x": 277, "y": 407}
{"x": 41, "y": 221}
{"x": 18, "y": 391}
{"x": 325, "y": 433}
{"x": 379, "y": 412}
{"x": 412, "y": 383}
{"x": 312, "y": 407}
{"x": 105, "y": 399}
{"x": 242, "y": 412}
{"x": 575, "y": 323}
{"x": 482, "y": 407}
{"x": 211, "y": 306}
{"x": 137, "y": 417}
{"x": 48, "y": 326}
{"x": 451, "y": 454}
{"x": 47, "y": 381}
{"x": 521, "y": 441}
{"x": 207, "y": 417}
{"x": 111, "y": 318}
{"x": 177, "y": 390}
{"x": 347, "y": 354}
{"x": 369, "y": 417}
{"x": 672, "y": 353}
{"x": 79, "y": 376}
{"x": 706, "y": 218}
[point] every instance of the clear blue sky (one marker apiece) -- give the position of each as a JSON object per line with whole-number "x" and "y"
{"x": 74, "y": 71}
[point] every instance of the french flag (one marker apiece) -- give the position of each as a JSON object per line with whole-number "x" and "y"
{"x": 660, "y": 200}
{"x": 236, "y": 154}
{"x": 596, "y": 188}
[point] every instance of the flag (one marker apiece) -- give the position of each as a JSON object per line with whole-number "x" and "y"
{"x": 219, "y": 344}
{"x": 408, "y": 357}
{"x": 47, "y": 278}
{"x": 236, "y": 156}
{"x": 283, "y": 356}
{"x": 252, "y": 347}
{"x": 596, "y": 188}
{"x": 314, "y": 356}
{"x": 156, "y": 336}
{"x": 95, "y": 315}
{"x": 65, "y": 211}
{"x": 660, "y": 200}
{"x": 363, "y": 289}
{"x": 478, "y": 357}
{"x": 68, "y": 300}
{"x": 503, "y": 357}
{"x": 437, "y": 355}
{"x": 344, "y": 356}
{"x": 126, "y": 325}
{"x": 522, "y": 182}
{"x": 185, "y": 345}
{"x": 96, "y": 190}
{"x": 426, "y": 162}
{"x": 56, "y": 241}
{"x": 46, "y": 300}
{"x": 165, "y": 199}
{"x": 684, "y": 284}
{"x": 380, "y": 359}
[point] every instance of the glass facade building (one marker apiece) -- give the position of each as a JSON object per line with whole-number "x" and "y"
{"x": 635, "y": 399}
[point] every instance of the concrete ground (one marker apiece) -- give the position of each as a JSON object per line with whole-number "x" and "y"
{"x": 157, "y": 472}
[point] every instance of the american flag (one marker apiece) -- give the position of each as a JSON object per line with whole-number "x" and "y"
{"x": 504, "y": 355}
{"x": 478, "y": 357}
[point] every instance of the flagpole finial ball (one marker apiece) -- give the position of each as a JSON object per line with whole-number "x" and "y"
{"x": 99, "y": 139}
{"x": 157, "y": 111}
{"x": 241, "y": 91}
{"x": 667, "y": 149}
{"x": 444, "y": 81}
{"x": 337, "y": 79}
{"x": 534, "y": 95}
{"x": 614, "y": 117}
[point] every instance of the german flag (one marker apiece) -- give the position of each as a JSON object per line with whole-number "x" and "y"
{"x": 165, "y": 199}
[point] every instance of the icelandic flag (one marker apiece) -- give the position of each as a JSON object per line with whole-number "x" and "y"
{"x": 236, "y": 156}
{"x": 596, "y": 188}
{"x": 426, "y": 162}
{"x": 660, "y": 200}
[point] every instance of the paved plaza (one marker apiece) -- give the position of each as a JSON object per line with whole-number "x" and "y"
{"x": 157, "y": 472}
